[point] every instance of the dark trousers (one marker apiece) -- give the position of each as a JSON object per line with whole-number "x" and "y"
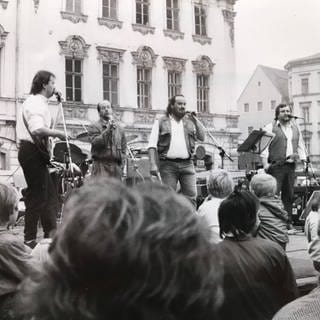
{"x": 40, "y": 197}
{"x": 284, "y": 175}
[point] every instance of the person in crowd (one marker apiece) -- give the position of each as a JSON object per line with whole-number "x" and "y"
{"x": 15, "y": 258}
{"x": 258, "y": 279}
{"x": 219, "y": 185}
{"x": 172, "y": 141}
{"x": 273, "y": 218}
{"x": 306, "y": 307}
{"x": 34, "y": 130}
{"x": 108, "y": 144}
{"x": 127, "y": 254}
{"x": 281, "y": 156}
{"x": 312, "y": 232}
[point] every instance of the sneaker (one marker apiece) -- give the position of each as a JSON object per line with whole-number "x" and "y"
{"x": 31, "y": 243}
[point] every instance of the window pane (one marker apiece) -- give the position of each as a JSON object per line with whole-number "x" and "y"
{"x": 69, "y": 81}
{"x": 77, "y": 65}
{"x": 105, "y": 12}
{"x": 77, "y": 8}
{"x": 69, "y": 96}
{"x": 114, "y": 71}
{"x": 114, "y": 85}
{"x": 69, "y": 65}
{"x": 114, "y": 99}
{"x": 77, "y": 95}
{"x": 69, "y": 5}
{"x": 77, "y": 81}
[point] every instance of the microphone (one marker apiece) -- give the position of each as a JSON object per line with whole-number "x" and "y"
{"x": 294, "y": 117}
{"x": 58, "y": 95}
{"x": 191, "y": 113}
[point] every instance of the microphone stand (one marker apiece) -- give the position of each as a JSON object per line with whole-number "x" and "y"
{"x": 135, "y": 166}
{"x": 222, "y": 152}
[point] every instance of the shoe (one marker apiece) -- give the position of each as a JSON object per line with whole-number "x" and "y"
{"x": 31, "y": 243}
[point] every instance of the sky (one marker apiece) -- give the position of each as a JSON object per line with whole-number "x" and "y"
{"x": 273, "y": 32}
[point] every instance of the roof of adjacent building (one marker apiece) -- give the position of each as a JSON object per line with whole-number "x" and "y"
{"x": 279, "y": 78}
{"x": 313, "y": 59}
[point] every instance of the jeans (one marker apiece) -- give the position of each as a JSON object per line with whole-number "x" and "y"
{"x": 284, "y": 175}
{"x": 40, "y": 197}
{"x": 183, "y": 171}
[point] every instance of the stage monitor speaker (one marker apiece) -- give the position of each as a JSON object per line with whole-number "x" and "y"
{"x": 138, "y": 167}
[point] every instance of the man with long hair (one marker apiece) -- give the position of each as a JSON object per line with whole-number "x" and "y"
{"x": 173, "y": 139}
{"x": 34, "y": 125}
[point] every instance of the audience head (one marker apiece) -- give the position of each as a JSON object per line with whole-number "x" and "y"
{"x": 238, "y": 214}
{"x": 8, "y": 205}
{"x": 127, "y": 254}
{"x": 315, "y": 205}
{"x": 219, "y": 183}
{"x": 263, "y": 185}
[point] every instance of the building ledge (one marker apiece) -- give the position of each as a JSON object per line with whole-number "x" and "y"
{"x": 201, "y": 39}
{"x": 173, "y": 34}
{"x": 110, "y": 23}
{"x": 74, "y": 17}
{"x": 143, "y": 28}
{"x": 306, "y": 94}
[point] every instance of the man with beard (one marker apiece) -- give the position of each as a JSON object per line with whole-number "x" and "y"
{"x": 173, "y": 136}
{"x": 280, "y": 158}
{"x": 108, "y": 144}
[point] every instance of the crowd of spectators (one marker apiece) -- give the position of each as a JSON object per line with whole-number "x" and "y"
{"x": 143, "y": 253}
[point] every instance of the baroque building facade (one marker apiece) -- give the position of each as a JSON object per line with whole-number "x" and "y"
{"x": 304, "y": 90}
{"x": 135, "y": 53}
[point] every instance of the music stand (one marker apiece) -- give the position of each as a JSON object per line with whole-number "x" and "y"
{"x": 257, "y": 141}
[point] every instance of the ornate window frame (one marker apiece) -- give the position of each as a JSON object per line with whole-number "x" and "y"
{"x": 141, "y": 27}
{"x": 144, "y": 58}
{"x": 203, "y": 65}
{"x": 112, "y": 56}
{"x": 73, "y": 16}
{"x": 3, "y": 36}
{"x": 4, "y": 4}
{"x": 229, "y": 16}
{"x": 109, "y": 22}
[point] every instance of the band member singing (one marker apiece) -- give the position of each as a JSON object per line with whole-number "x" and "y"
{"x": 34, "y": 129}
{"x": 173, "y": 137}
{"x": 108, "y": 144}
{"x": 280, "y": 158}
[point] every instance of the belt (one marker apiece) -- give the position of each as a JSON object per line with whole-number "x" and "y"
{"x": 177, "y": 159}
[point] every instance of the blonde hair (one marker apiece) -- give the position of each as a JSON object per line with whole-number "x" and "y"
{"x": 263, "y": 184}
{"x": 219, "y": 183}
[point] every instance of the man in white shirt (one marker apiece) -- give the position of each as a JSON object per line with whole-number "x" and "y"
{"x": 34, "y": 129}
{"x": 280, "y": 158}
{"x": 173, "y": 136}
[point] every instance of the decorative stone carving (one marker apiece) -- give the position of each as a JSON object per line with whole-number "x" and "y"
{"x": 110, "y": 23}
{"x": 143, "y": 28}
{"x": 4, "y": 4}
{"x": 75, "y": 111}
{"x": 201, "y": 39}
{"x": 117, "y": 115}
{"x": 3, "y": 36}
{"x": 203, "y": 65}
{"x": 144, "y": 57}
{"x": 207, "y": 120}
{"x": 174, "y": 64}
{"x": 36, "y": 5}
{"x": 74, "y": 46}
{"x": 229, "y": 16}
{"x": 110, "y": 54}
{"x": 232, "y": 121}
{"x": 144, "y": 117}
{"x": 74, "y": 17}
{"x": 173, "y": 34}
